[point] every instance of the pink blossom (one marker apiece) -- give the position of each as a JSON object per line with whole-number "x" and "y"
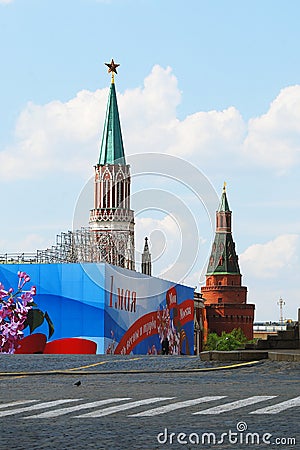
{"x": 26, "y": 298}
{"x": 13, "y": 313}
{"x": 3, "y": 292}
{"x": 23, "y": 278}
{"x": 33, "y": 290}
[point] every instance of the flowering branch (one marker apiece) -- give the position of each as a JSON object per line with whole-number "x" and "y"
{"x": 17, "y": 312}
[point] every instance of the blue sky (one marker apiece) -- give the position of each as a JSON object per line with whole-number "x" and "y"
{"x": 215, "y": 83}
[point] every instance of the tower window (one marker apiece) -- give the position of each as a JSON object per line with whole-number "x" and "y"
{"x": 120, "y": 193}
{"x": 106, "y": 198}
{"x": 220, "y": 300}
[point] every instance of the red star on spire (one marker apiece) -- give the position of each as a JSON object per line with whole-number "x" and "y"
{"x": 112, "y": 66}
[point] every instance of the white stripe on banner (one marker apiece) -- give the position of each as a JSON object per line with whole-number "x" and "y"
{"x": 68, "y": 409}
{"x": 235, "y": 405}
{"x": 279, "y": 407}
{"x": 114, "y": 409}
{"x": 19, "y": 402}
{"x": 173, "y": 406}
{"x": 38, "y": 406}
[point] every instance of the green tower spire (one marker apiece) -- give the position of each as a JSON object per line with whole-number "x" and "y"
{"x": 224, "y": 206}
{"x": 112, "y": 149}
{"x": 223, "y": 258}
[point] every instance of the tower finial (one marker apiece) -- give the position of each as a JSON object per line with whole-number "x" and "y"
{"x": 112, "y": 68}
{"x": 224, "y": 186}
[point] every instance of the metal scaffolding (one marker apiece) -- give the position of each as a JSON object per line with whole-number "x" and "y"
{"x": 79, "y": 246}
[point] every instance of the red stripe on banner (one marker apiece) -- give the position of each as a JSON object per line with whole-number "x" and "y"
{"x": 147, "y": 325}
{"x": 144, "y": 327}
{"x": 185, "y": 311}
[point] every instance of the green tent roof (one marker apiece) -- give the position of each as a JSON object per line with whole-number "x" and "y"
{"x": 223, "y": 258}
{"x": 112, "y": 149}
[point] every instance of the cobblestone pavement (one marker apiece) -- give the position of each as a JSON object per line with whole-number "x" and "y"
{"x": 18, "y": 363}
{"x": 240, "y": 408}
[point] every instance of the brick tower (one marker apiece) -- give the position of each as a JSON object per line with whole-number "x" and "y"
{"x": 111, "y": 218}
{"x": 225, "y": 298}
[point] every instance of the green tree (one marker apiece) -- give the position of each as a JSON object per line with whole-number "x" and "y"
{"x": 227, "y": 341}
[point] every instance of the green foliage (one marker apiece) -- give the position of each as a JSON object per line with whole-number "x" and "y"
{"x": 35, "y": 318}
{"x": 50, "y": 324}
{"x": 227, "y": 341}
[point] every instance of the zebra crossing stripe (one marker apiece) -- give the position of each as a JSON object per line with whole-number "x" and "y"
{"x": 123, "y": 407}
{"x": 10, "y": 412}
{"x": 62, "y": 411}
{"x": 173, "y": 406}
{"x": 279, "y": 407}
{"x": 19, "y": 402}
{"x": 235, "y": 405}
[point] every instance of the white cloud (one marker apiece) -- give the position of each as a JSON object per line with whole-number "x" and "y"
{"x": 270, "y": 272}
{"x": 65, "y": 137}
{"x": 271, "y": 259}
{"x": 274, "y": 138}
{"x": 156, "y": 102}
{"x": 178, "y": 254}
{"x": 162, "y": 233}
{"x": 32, "y": 240}
{"x": 25, "y": 243}
{"x": 209, "y": 132}
{"x": 5, "y": 2}
{"x": 57, "y": 137}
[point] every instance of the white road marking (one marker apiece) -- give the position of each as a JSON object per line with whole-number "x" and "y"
{"x": 235, "y": 405}
{"x": 114, "y": 409}
{"x": 227, "y": 407}
{"x": 173, "y": 406}
{"x": 19, "y": 402}
{"x": 62, "y": 411}
{"x": 279, "y": 407}
{"x": 38, "y": 406}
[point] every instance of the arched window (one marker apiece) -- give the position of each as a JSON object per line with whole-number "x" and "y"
{"x": 106, "y": 191}
{"x": 120, "y": 189}
{"x": 120, "y": 193}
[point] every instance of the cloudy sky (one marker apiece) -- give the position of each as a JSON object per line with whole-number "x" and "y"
{"x": 212, "y": 88}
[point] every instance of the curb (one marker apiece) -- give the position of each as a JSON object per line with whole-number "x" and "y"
{"x": 250, "y": 355}
{"x": 233, "y": 355}
{"x": 291, "y": 357}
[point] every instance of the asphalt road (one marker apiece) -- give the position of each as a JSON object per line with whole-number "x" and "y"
{"x": 146, "y": 403}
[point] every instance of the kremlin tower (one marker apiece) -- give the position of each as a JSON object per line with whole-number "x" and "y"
{"x": 111, "y": 219}
{"x": 146, "y": 259}
{"x": 224, "y": 297}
